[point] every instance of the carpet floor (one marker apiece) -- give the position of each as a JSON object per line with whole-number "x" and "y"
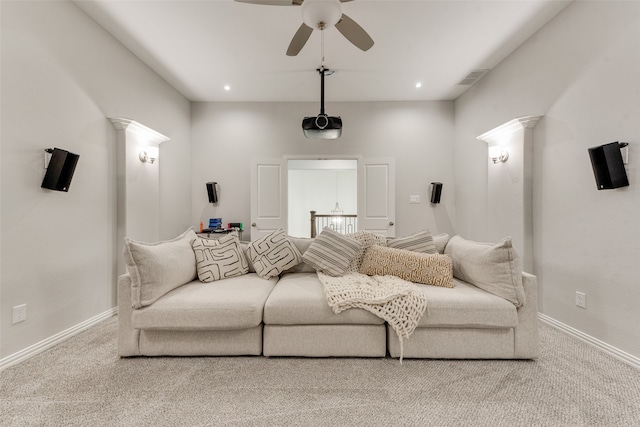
{"x": 82, "y": 382}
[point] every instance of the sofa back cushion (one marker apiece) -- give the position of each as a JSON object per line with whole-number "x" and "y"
{"x": 157, "y": 268}
{"x": 218, "y": 259}
{"x": 302, "y": 243}
{"x": 429, "y": 269}
{"x": 441, "y": 240}
{"x": 494, "y": 267}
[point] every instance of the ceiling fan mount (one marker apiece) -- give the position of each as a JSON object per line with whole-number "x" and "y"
{"x": 320, "y": 15}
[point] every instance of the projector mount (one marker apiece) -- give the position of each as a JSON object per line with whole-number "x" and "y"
{"x": 322, "y": 126}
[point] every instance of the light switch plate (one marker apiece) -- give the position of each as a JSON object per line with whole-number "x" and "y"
{"x": 414, "y": 198}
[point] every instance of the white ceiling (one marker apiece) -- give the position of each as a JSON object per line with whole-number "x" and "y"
{"x": 201, "y": 46}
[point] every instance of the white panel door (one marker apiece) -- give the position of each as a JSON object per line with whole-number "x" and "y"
{"x": 377, "y": 195}
{"x": 268, "y": 196}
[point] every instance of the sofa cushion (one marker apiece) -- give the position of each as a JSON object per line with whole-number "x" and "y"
{"x": 421, "y": 241}
{"x": 234, "y": 303}
{"x": 441, "y": 240}
{"x": 299, "y": 299}
{"x": 467, "y": 306}
{"x": 496, "y": 268}
{"x": 331, "y": 252}
{"x": 366, "y": 239}
{"x": 273, "y": 253}
{"x": 218, "y": 259}
{"x": 302, "y": 243}
{"x": 430, "y": 269}
{"x": 157, "y": 268}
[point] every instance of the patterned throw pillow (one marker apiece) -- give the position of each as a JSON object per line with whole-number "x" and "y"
{"x": 331, "y": 252}
{"x": 366, "y": 239}
{"x": 273, "y": 253}
{"x": 218, "y": 259}
{"x": 157, "y": 268}
{"x": 430, "y": 269}
{"x": 418, "y": 242}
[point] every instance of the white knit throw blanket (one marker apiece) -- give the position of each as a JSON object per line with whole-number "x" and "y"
{"x": 399, "y": 302}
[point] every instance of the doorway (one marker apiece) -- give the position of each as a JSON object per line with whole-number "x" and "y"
{"x": 327, "y": 186}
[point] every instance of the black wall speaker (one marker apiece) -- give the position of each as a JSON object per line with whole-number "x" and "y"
{"x": 608, "y": 167}
{"x": 211, "y": 191}
{"x": 61, "y": 167}
{"x": 436, "y": 192}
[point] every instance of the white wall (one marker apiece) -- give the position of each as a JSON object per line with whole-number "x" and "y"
{"x": 62, "y": 76}
{"x": 418, "y": 134}
{"x": 580, "y": 71}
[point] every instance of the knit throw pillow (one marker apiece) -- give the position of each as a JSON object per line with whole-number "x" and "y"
{"x": 421, "y": 241}
{"x": 429, "y": 269}
{"x": 273, "y": 254}
{"x": 218, "y": 259}
{"x": 366, "y": 239}
{"x": 331, "y": 252}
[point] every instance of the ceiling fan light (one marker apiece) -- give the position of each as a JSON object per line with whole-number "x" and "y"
{"x": 315, "y": 12}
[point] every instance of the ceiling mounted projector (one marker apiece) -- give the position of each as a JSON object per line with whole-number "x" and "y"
{"x": 322, "y": 126}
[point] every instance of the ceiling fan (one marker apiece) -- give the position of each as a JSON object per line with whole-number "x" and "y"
{"x": 320, "y": 15}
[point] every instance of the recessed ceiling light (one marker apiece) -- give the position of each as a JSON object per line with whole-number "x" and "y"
{"x": 418, "y": 85}
{"x": 227, "y": 87}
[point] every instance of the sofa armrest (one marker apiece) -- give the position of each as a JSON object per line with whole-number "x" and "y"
{"x": 128, "y": 337}
{"x": 526, "y": 333}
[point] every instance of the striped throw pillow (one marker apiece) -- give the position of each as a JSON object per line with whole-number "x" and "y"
{"x": 421, "y": 241}
{"x": 218, "y": 259}
{"x": 331, "y": 252}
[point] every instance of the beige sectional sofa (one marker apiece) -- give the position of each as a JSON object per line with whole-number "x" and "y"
{"x": 288, "y": 314}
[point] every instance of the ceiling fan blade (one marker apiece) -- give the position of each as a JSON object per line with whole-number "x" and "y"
{"x": 354, "y": 33}
{"x": 299, "y": 40}
{"x": 273, "y": 2}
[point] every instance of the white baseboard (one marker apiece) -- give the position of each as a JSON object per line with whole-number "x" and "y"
{"x": 609, "y": 349}
{"x": 56, "y": 339}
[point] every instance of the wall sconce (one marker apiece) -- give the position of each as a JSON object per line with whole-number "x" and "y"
{"x": 149, "y": 154}
{"x": 498, "y": 153}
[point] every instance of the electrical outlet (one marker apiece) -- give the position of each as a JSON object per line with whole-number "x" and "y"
{"x": 19, "y": 313}
{"x": 414, "y": 199}
{"x": 581, "y": 299}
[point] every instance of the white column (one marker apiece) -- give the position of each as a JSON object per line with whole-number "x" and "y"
{"x": 510, "y": 185}
{"x": 138, "y": 184}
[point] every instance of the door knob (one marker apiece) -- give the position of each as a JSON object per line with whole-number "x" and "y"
{"x": 253, "y": 224}
{"x": 391, "y": 223}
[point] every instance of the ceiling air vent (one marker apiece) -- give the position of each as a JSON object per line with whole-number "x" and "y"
{"x": 472, "y": 77}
